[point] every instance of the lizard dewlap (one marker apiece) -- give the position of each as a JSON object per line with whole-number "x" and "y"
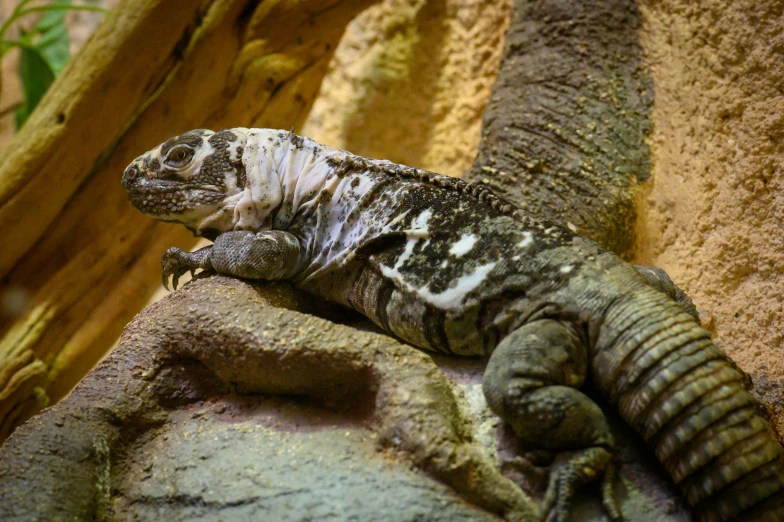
{"x": 449, "y": 266}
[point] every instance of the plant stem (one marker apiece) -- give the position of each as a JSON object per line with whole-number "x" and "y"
{"x": 15, "y": 14}
{"x": 44, "y": 8}
{"x": 19, "y": 12}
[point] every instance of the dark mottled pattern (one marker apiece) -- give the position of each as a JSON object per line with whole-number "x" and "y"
{"x": 453, "y": 216}
{"x": 242, "y": 178}
{"x": 449, "y": 266}
{"x": 297, "y": 141}
{"x": 152, "y": 164}
{"x": 177, "y": 190}
{"x": 215, "y": 167}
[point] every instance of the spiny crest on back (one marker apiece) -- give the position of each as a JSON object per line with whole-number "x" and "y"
{"x": 351, "y": 163}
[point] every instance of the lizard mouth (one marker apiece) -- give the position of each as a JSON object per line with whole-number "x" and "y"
{"x": 140, "y": 193}
{"x": 169, "y": 188}
{"x": 175, "y": 200}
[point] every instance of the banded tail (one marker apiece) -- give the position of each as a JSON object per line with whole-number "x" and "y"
{"x": 688, "y": 400}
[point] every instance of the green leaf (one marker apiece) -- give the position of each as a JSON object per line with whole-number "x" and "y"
{"x": 53, "y": 37}
{"x": 44, "y": 49}
{"x": 36, "y": 76}
{"x": 54, "y": 48}
{"x": 54, "y": 17}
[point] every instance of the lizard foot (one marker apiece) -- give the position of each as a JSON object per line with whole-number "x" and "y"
{"x": 531, "y": 382}
{"x": 574, "y": 469}
{"x": 532, "y": 465}
{"x": 176, "y": 262}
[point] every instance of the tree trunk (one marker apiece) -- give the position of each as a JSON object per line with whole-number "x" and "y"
{"x": 564, "y": 132}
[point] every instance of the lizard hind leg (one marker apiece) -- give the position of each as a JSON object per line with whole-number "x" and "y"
{"x": 531, "y": 382}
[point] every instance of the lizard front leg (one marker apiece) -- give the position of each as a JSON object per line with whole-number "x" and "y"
{"x": 531, "y": 382}
{"x": 270, "y": 255}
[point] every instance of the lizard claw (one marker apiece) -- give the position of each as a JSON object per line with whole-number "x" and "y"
{"x": 609, "y": 501}
{"x": 177, "y": 262}
{"x": 530, "y": 466}
{"x": 580, "y": 468}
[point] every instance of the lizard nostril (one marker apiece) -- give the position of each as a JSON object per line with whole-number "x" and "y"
{"x": 132, "y": 172}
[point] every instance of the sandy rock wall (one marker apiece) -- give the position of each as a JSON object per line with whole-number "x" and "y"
{"x": 713, "y": 213}
{"x": 410, "y": 80}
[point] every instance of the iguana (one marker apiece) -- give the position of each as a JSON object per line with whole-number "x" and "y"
{"x": 449, "y": 266}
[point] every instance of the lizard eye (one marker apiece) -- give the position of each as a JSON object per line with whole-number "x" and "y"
{"x": 179, "y": 156}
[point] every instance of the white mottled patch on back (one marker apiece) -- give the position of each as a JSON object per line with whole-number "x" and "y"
{"x": 567, "y": 268}
{"x": 453, "y": 297}
{"x": 417, "y": 232}
{"x": 463, "y": 245}
{"x": 528, "y": 240}
{"x": 419, "y": 226}
{"x": 394, "y": 272}
{"x": 339, "y": 229}
{"x": 389, "y": 227}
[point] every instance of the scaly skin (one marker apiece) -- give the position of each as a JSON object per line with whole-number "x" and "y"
{"x": 448, "y": 266}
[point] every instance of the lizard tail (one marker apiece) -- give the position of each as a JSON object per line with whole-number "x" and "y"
{"x": 690, "y": 403}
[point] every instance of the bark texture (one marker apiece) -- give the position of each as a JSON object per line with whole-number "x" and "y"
{"x": 564, "y": 131}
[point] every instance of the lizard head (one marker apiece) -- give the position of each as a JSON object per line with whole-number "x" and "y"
{"x": 194, "y": 179}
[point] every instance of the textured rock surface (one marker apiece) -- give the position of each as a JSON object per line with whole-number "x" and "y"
{"x": 171, "y": 426}
{"x": 302, "y": 464}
